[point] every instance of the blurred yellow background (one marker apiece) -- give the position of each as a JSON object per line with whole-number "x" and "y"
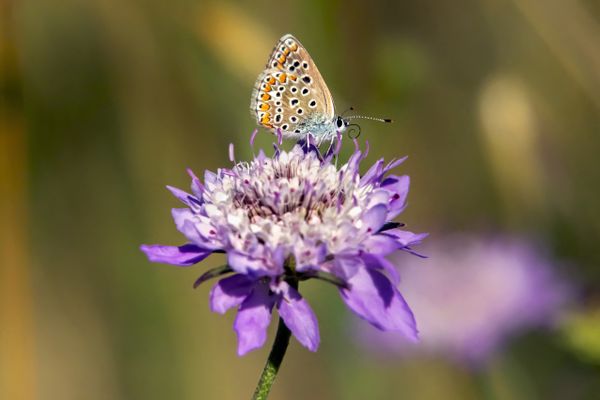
{"x": 104, "y": 102}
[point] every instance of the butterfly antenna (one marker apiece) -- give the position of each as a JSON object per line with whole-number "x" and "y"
{"x": 348, "y": 110}
{"x": 385, "y": 120}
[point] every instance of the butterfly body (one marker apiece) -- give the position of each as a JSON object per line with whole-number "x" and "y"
{"x": 290, "y": 95}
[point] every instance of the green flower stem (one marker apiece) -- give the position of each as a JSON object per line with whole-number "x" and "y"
{"x": 280, "y": 345}
{"x": 282, "y": 339}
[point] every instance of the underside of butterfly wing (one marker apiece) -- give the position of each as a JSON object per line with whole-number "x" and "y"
{"x": 290, "y": 94}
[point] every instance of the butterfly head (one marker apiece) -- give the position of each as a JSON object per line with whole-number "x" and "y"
{"x": 341, "y": 123}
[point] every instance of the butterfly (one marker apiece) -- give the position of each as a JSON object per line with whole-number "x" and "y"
{"x": 291, "y": 96}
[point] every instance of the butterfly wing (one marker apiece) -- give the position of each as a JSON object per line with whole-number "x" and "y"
{"x": 290, "y": 94}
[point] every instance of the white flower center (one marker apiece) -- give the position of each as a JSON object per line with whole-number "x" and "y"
{"x": 290, "y": 200}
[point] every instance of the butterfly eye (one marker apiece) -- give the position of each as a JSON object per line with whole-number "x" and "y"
{"x": 339, "y": 123}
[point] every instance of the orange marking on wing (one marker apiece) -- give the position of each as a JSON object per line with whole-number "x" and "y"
{"x": 293, "y": 77}
{"x": 271, "y": 80}
{"x": 286, "y": 51}
{"x": 266, "y": 118}
{"x": 281, "y": 59}
{"x": 283, "y": 78}
{"x": 267, "y": 88}
{"x": 265, "y": 97}
{"x": 294, "y": 46}
{"x": 264, "y": 106}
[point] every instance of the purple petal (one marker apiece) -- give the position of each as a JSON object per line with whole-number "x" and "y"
{"x": 346, "y": 266}
{"x": 372, "y": 297}
{"x": 185, "y": 197}
{"x": 180, "y": 216}
{"x": 373, "y": 173}
{"x": 379, "y": 196}
{"x": 379, "y": 262}
{"x": 185, "y": 255}
{"x": 230, "y": 292}
{"x": 353, "y": 162}
{"x": 261, "y": 156}
{"x": 253, "y": 319}
{"x": 405, "y": 238}
{"x": 374, "y": 218}
{"x": 398, "y": 187}
{"x": 190, "y": 230}
{"x": 299, "y": 317}
{"x": 194, "y": 229}
{"x": 394, "y": 163}
{"x": 197, "y": 187}
{"x": 210, "y": 178}
{"x": 309, "y": 256}
{"x": 259, "y": 266}
{"x": 380, "y": 244}
{"x": 377, "y": 171}
{"x": 242, "y": 263}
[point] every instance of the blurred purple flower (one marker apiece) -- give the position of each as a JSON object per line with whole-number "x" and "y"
{"x": 474, "y": 296}
{"x": 289, "y": 218}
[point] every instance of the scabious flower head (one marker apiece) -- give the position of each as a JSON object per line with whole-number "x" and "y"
{"x": 291, "y": 217}
{"x": 477, "y": 294}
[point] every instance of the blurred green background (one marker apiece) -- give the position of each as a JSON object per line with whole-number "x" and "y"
{"x": 104, "y": 102}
